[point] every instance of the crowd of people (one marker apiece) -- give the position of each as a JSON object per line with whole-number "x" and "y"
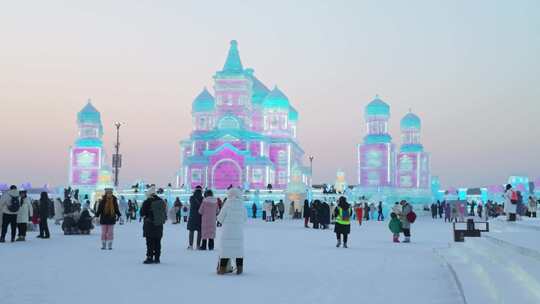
{"x": 513, "y": 206}
{"x": 204, "y": 212}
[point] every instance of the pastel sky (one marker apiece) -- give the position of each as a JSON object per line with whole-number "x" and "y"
{"x": 470, "y": 69}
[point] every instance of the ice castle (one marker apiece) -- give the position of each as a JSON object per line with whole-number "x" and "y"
{"x": 88, "y": 170}
{"x": 385, "y": 172}
{"x": 243, "y": 135}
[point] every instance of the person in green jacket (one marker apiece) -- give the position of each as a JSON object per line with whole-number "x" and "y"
{"x": 395, "y": 226}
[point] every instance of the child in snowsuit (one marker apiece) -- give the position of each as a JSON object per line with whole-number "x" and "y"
{"x": 395, "y": 226}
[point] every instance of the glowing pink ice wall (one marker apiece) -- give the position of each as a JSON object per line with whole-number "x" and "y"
{"x": 413, "y": 170}
{"x": 375, "y": 163}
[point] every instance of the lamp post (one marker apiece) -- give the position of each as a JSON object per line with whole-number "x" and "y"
{"x": 311, "y": 169}
{"x": 117, "y": 158}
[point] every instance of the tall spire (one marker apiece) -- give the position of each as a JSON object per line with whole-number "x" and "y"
{"x": 233, "y": 63}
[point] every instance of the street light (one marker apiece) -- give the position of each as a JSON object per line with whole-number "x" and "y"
{"x": 311, "y": 169}
{"x": 117, "y": 158}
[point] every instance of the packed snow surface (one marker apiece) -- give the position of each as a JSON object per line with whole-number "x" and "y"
{"x": 284, "y": 263}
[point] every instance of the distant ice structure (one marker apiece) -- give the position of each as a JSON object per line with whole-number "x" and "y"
{"x": 385, "y": 173}
{"x": 88, "y": 170}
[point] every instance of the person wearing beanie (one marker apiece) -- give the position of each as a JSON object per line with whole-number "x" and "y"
{"x": 154, "y": 213}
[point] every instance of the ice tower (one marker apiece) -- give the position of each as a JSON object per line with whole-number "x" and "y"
{"x": 376, "y": 154}
{"x": 86, "y": 155}
{"x": 244, "y": 135}
{"x": 412, "y": 162}
{"x": 383, "y": 172}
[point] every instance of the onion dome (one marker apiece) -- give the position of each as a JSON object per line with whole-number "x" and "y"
{"x": 89, "y": 114}
{"x": 377, "y": 107}
{"x": 410, "y": 122}
{"x": 276, "y": 100}
{"x": 203, "y": 103}
{"x": 293, "y": 114}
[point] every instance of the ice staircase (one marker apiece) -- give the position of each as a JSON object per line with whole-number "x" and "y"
{"x": 493, "y": 270}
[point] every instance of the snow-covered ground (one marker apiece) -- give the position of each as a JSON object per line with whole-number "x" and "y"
{"x": 501, "y": 267}
{"x": 285, "y": 263}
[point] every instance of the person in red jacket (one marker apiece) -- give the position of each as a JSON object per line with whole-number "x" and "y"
{"x": 359, "y": 213}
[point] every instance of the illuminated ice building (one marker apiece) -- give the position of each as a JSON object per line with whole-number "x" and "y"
{"x": 244, "y": 134}
{"x": 88, "y": 171}
{"x": 383, "y": 171}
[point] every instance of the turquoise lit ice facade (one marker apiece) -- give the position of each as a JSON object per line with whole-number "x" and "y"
{"x": 87, "y": 155}
{"x": 385, "y": 172}
{"x": 243, "y": 135}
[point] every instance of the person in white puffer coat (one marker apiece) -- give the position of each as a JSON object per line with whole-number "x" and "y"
{"x": 58, "y": 211}
{"x": 510, "y": 208}
{"x": 23, "y": 216}
{"x": 233, "y": 217}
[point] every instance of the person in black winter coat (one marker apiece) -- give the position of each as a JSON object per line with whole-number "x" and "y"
{"x": 314, "y": 215}
{"x": 153, "y": 230}
{"x": 324, "y": 215}
{"x": 195, "y": 218}
{"x": 85, "y": 221}
{"x": 254, "y": 210}
{"x": 307, "y": 212}
{"x": 44, "y": 216}
{"x": 108, "y": 213}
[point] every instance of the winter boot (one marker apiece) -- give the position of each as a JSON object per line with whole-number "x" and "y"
{"x": 156, "y": 260}
{"x": 103, "y": 245}
{"x": 345, "y": 245}
{"x": 407, "y": 239}
{"x": 109, "y": 245}
{"x": 203, "y": 245}
{"x": 148, "y": 260}
{"x": 222, "y": 266}
{"x": 2, "y": 240}
{"x": 338, "y": 243}
{"x": 19, "y": 239}
{"x": 396, "y": 239}
{"x": 239, "y": 265}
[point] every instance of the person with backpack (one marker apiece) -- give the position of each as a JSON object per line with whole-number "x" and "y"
{"x": 9, "y": 207}
{"x": 208, "y": 211}
{"x": 510, "y": 203}
{"x": 395, "y": 227}
{"x": 23, "y": 216}
{"x": 43, "y": 216}
{"x": 406, "y": 217}
{"x": 108, "y": 213}
{"x": 194, "y": 222}
{"x": 343, "y": 221}
{"x": 233, "y": 217}
{"x": 154, "y": 212}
